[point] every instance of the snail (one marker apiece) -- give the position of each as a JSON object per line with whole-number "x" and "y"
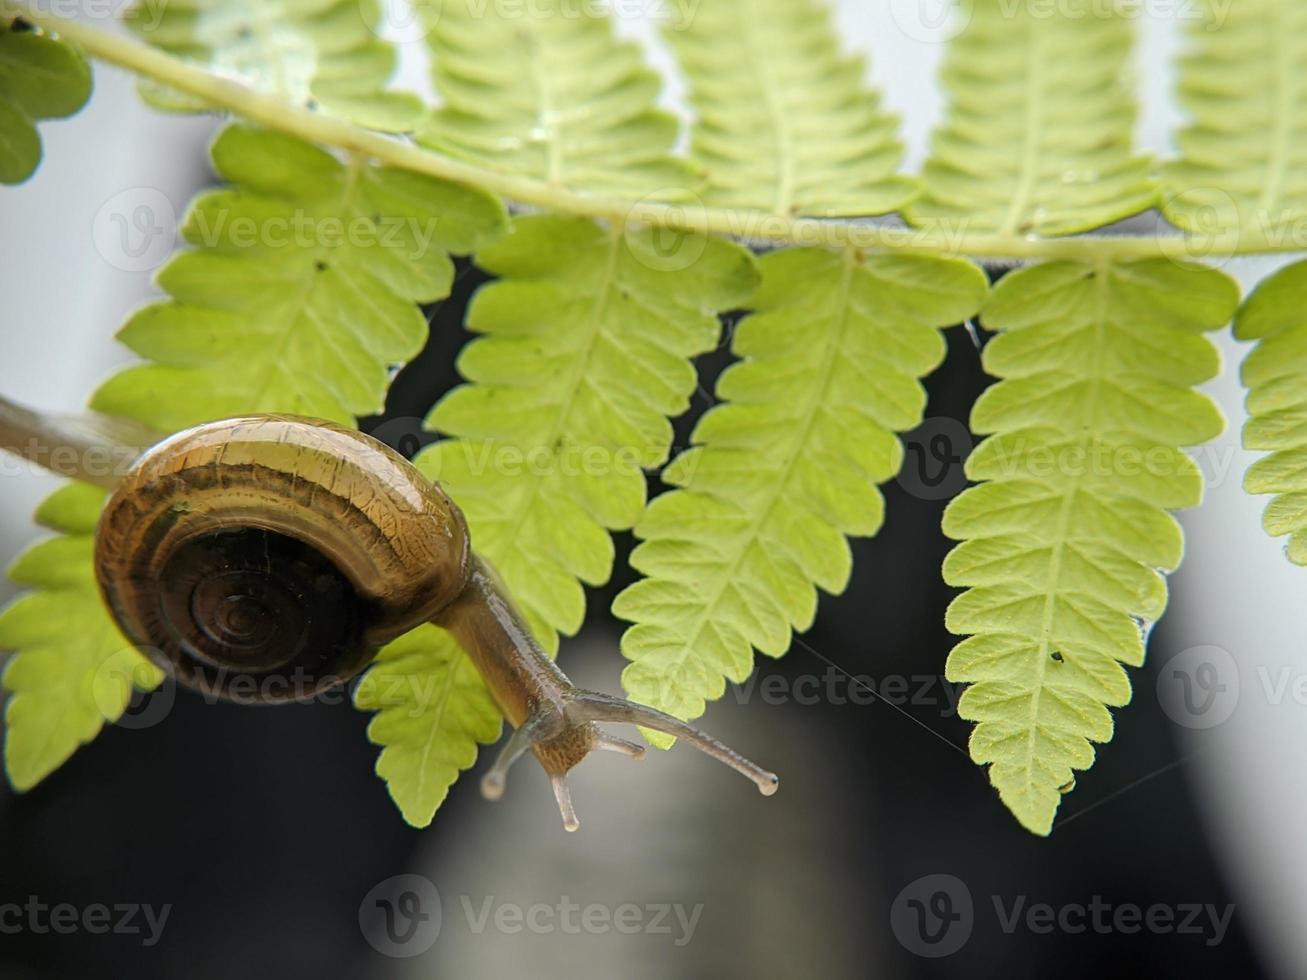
{"x": 288, "y": 550}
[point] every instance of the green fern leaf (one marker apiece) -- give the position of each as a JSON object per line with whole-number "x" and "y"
{"x": 544, "y": 90}
{"x": 1064, "y": 541}
{"x": 589, "y": 336}
{"x": 1037, "y": 139}
{"x": 301, "y": 294}
{"x": 785, "y": 123}
{"x": 40, "y": 78}
{"x": 323, "y": 53}
{"x": 1275, "y": 374}
{"x": 432, "y": 710}
{"x": 74, "y": 671}
{"x": 788, "y": 467}
{"x": 1241, "y": 166}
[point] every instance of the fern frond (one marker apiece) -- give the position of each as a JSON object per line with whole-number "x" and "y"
{"x": 301, "y": 294}
{"x": 74, "y": 671}
{"x": 590, "y": 332}
{"x": 786, "y": 468}
{"x": 41, "y": 77}
{"x": 1065, "y": 539}
{"x": 545, "y": 90}
{"x": 1242, "y": 166}
{"x": 1275, "y": 374}
{"x": 785, "y": 122}
{"x": 326, "y": 54}
{"x": 1038, "y": 133}
{"x": 432, "y": 709}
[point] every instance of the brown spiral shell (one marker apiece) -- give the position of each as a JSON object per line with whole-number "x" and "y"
{"x": 264, "y": 559}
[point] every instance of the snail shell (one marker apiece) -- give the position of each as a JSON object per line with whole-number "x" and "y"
{"x": 264, "y": 559}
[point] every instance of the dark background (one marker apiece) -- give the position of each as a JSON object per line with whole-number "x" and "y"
{"x": 265, "y": 828}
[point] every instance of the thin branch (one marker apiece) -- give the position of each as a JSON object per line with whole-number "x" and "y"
{"x": 278, "y": 114}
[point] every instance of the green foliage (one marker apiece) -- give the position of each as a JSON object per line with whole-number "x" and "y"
{"x": 544, "y": 90}
{"x": 74, "y": 671}
{"x": 1242, "y": 166}
{"x": 1064, "y": 538}
{"x": 41, "y": 77}
{"x": 326, "y": 54}
{"x": 589, "y": 335}
{"x": 301, "y": 293}
{"x": 787, "y": 467}
{"x": 1275, "y": 374}
{"x": 1037, "y": 137}
{"x": 785, "y": 123}
{"x": 432, "y": 710}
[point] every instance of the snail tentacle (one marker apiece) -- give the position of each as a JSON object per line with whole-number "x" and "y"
{"x": 612, "y": 743}
{"x": 541, "y": 725}
{"x": 595, "y": 706}
{"x": 563, "y": 795}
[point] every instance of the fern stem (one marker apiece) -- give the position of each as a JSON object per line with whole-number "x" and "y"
{"x": 755, "y": 226}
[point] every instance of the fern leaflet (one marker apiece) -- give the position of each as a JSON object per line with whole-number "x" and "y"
{"x": 1275, "y": 374}
{"x": 589, "y": 337}
{"x": 786, "y": 468}
{"x": 1064, "y": 539}
{"x": 785, "y": 124}
{"x": 1242, "y": 167}
{"x": 75, "y": 670}
{"x": 41, "y": 77}
{"x": 1037, "y": 139}
{"x": 319, "y": 53}
{"x": 544, "y": 90}
{"x": 303, "y": 292}
{"x": 432, "y": 709}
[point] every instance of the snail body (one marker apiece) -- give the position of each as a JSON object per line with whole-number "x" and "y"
{"x": 264, "y": 559}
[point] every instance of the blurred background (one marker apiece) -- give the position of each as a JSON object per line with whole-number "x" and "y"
{"x": 276, "y": 852}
